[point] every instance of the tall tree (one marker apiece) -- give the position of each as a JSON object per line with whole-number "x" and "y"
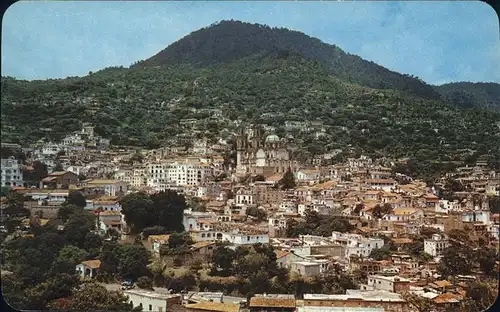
{"x": 138, "y": 209}
{"x": 76, "y": 198}
{"x": 287, "y": 182}
{"x": 93, "y": 297}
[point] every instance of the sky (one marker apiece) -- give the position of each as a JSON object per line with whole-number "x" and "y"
{"x": 439, "y": 42}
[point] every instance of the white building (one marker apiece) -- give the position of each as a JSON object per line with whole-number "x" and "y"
{"x": 387, "y": 283}
{"x": 445, "y": 206}
{"x": 244, "y": 198}
{"x": 436, "y": 245}
{"x": 74, "y": 139}
{"x": 50, "y": 149}
{"x": 309, "y": 176}
{"x": 12, "y": 173}
{"x": 482, "y": 216}
{"x": 356, "y": 244}
{"x": 152, "y": 300}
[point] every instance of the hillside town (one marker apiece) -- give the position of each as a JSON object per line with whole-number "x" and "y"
{"x": 393, "y": 235}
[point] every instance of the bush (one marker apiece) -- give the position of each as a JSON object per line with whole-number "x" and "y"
{"x": 144, "y": 282}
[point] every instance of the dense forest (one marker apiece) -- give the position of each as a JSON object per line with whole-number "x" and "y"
{"x": 468, "y": 94}
{"x": 143, "y": 105}
{"x": 227, "y": 41}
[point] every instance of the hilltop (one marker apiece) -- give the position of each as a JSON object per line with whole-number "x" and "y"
{"x": 227, "y": 41}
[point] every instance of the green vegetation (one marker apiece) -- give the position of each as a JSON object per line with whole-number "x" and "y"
{"x": 163, "y": 209}
{"x": 248, "y": 271}
{"x": 316, "y": 224}
{"x": 203, "y": 47}
{"x": 468, "y": 94}
{"x": 277, "y": 76}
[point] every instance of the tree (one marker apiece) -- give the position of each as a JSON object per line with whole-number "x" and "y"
{"x": 170, "y": 208}
{"x": 287, "y": 182}
{"x": 76, "y": 198}
{"x": 494, "y": 204}
{"x": 259, "y": 214}
{"x": 132, "y": 261}
{"x": 69, "y": 256}
{"x": 381, "y": 210}
{"x": 381, "y": 253}
{"x": 138, "y": 209}
{"x": 164, "y": 209}
{"x": 145, "y": 282}
{"x": 92, "y": 297}
{"x": 66, "y": 210}
{"x": 154, "y": 230}
{"x": 481, "y": 295}
{"x": 79, "y": 224}
{"x": 487, "y": 259}
{"x": 58, "y": 167}
{"x": 222, "y": 260}
{"x": 358, "y": 208}
{"x": 14, "y": 206}
{"x": 456, "y": 260}
{"x": 420, "y": 304}
{"x": 180, "y": 240}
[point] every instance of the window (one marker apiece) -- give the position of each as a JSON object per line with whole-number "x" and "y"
{"x": 150, "y": 307}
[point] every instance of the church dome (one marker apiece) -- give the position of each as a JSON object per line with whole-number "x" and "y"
{"x": 272, "y": 138}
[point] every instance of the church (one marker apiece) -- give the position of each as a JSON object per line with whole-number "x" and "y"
{"x": 258, "y": 154}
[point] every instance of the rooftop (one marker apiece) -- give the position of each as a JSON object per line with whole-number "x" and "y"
{"x": 370, "y": 295}
{"x": 214, "y": 306}
{"x": 150, "y": 294}
{"x": 93, "y": 264}
{"x": 274, "y": 301}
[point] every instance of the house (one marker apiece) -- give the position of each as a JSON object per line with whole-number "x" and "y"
{"x": 12, "y": 173}
{"x": 106, "y": 187}
{"x": 405, "y": 214}
{"x": 381, "y": 184}
{"x": 306, "y": 268}
{"x": 107, "y": 220}
{"x": 202, "y": 250}
{"x": 156, "y": 241}
{"x": 106, "y": 203}
{"x": 151, "y": 300}
{"x": 284, "y": 259}
{"x": 436, "y": 245}
{"x": 88, "y": 268}
{"x": 60, "y": 180}
{"x": 212, "y": 307}
{"x": 307, "y": 176}
{"x": 394, "y": 284}
{"x": 272, "y": 303}
{"x": 355, "y": 300}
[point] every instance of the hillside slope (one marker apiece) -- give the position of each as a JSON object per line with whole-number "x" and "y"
{"x": 143, "y": 107}
{"x": 469, "y": 94}
{"x": 231, "y": 40}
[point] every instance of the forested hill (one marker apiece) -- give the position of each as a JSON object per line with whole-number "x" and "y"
{"x": 226, "y": 41}
{"x": 469, "y": 94}
{"x": 144, "y": 107}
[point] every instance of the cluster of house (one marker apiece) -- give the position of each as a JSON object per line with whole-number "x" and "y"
{"x": 362, "y": 190}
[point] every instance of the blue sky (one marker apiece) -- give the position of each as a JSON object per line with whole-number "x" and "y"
{"x": 437, "y": 41}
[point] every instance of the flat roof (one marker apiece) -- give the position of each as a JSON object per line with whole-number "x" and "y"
{"x": 351, "y": 294}
{"x": 150, "y": 294}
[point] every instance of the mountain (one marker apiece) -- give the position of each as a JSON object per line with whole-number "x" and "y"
{"x": 226, "y": 41}
{"x": 147, "y": 106}
{"x": 469, "y": 94}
